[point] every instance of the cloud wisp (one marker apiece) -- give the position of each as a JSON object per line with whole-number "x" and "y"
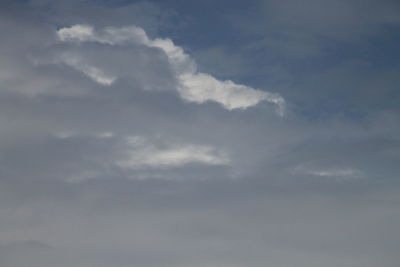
{"x": 192, "y": 86}
{"x": 143, "y": 153}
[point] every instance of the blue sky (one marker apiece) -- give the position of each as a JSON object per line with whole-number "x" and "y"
{"x": 199, "y": 133}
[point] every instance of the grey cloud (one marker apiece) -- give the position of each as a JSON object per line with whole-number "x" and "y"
{"x": 294, "y": 190}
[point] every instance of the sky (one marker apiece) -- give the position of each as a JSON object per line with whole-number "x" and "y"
{"x": 259, "y": 133}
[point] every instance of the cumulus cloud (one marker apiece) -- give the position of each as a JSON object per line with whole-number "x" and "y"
{"x": 76, "y": 33}
{"x": 193, "y": 86}
{"x": 145, "y": 153}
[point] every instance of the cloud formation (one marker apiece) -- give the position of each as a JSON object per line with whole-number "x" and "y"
{"x": 142, "y": 153}
{"x": 102, "y": 163}
{"x": 193, "y": 86}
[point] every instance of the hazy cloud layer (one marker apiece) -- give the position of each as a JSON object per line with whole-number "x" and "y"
{"x": 145, "y": 134}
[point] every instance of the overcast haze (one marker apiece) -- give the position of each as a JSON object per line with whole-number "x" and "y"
{"x": 259, "y": 133}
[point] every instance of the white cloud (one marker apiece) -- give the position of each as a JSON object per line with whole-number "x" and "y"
{"x": 79, "y": 33}
{"x": 194, "y": 86}
{"x": 202, "y": 87}
{"x": 179, "y": 60}
{"x": 92, "y": 72}
{"x": 338, "y": 173}
{"x": 143, "y": 153}
{"x": 110, "y": 35}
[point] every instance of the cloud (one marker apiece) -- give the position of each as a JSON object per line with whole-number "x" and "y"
{"x": 144, "y": 153}
{"x": 92, "y": 72}
{"x": 127, "y": 174}
{"x": 193, "y": 86}
{"x": 76, "y": 33}
{"x": 202, "y": 87}
{"x": 337, "y": 173}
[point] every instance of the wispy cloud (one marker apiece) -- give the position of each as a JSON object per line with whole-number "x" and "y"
{"x": 338, "y": 173}
{"x": 145, "y": 153}
{"x": 193, "y": 86}
{"x": 92, "y": 72}
{"x": 342, "y": 173}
